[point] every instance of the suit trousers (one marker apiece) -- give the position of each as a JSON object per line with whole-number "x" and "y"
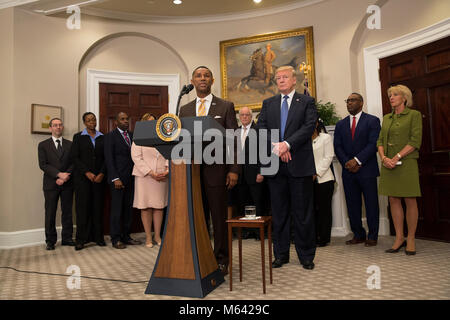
{"x": 89, "y": 209}
{"x": 354, "y": 185}
{"x": 250, "y": 194}
{"x": 215, "y": 201}
{"x": 51, "y": 204}
{"x": 121, "y": 212}
{"x": 323, "y": 195}
{"x": 292, "y": 197}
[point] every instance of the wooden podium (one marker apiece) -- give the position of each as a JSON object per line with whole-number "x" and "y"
{"x": 186, "y": 265}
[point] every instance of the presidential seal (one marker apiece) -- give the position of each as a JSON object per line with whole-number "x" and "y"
{"x": 168, "y": 127}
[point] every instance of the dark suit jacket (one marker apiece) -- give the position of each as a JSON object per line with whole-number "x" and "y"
{"x": 223, "y": 112}
{"x": 52, "y": 164}
{"x": 87, "y": 158}
{"x": 118, "y": 156}
{"x": 363, "y": 146}
{"x": 250, "y": 170}
{"x": 300, "y": 125}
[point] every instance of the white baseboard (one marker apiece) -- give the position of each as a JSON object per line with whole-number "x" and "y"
{"x": 25, "y": 238}
{"x": 339, "y": 232}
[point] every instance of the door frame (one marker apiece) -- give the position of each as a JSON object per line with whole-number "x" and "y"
{"x": 372, "y": 56}
{"x": 95, "y": 77}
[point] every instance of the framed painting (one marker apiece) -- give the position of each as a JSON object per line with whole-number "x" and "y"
{"x": 248, "y": 65}
{"x": 41, "y": 115}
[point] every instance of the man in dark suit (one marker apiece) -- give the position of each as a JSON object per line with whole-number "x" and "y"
{"x": 119, "y": 166}
{"x": 355, "y": 145}
{"x": 54, "y": 160}
{"x": 216, "y": 178}
{"x": 249, "y": 189}
{"x": 89, "y": 162}
{"x": 291, "y": 188}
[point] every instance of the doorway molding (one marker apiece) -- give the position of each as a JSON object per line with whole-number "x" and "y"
{"x": 95, "y": 77}
{"x": 373, "y": 54}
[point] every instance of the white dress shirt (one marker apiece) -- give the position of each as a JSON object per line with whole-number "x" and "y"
{"x": 54, "y": 141}
{"x": 208, "y": 101}
{"x": 244, "y": 133}
{"x": 357, "y": 117}
{"x": 289, "y": 102}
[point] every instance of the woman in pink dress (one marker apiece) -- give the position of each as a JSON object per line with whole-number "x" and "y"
{"x": 151, "y": 187}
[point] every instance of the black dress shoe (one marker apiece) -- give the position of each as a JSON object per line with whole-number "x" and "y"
{"x": 101, "y": 243}
{"x": 133, "y": 242}
{"x": 278, "y": 263}
{"x": 224, "y": 269}
{"x": 410, "y": 253}
{"x": 308, "y": 265}
{"x": 79, "y": 246}
{"x": 396, "y": 250}
{"x": 50, "y": 246}
{"x": 68, "y": 243}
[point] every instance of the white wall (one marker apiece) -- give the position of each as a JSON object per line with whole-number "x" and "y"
{"x": 40, "y": 58}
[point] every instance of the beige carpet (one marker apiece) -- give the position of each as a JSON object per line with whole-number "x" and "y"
{"x": 340, "y": 273}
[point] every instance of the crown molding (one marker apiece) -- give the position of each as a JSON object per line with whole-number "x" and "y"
{"x": 13, "y": 3}
{"x": 198, "y": 19}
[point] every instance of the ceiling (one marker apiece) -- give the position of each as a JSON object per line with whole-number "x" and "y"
{"x": 166, "y": 10}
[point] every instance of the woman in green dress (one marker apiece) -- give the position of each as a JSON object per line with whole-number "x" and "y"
{"x": 398, "y": 146}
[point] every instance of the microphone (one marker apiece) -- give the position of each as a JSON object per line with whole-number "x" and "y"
{"x": 185, "y": 90}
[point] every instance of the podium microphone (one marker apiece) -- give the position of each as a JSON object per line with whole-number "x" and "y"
{"x": 186, "y": 89}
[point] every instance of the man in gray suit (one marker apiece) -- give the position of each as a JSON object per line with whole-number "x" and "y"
{"x": 55, "y": 161}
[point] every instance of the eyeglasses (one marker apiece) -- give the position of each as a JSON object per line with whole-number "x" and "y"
{"x": 351, "y": 100}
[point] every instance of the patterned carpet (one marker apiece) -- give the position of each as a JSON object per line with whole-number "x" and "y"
{"x": 340, "y": 273}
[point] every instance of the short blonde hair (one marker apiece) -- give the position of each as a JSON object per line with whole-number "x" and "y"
{"x": 284, "y": 68}
{"x": 147, "y": 116}
{"x": 404, "y": 91}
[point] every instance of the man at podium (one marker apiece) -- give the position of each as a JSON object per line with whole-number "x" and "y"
{"x": 216, "y": 178}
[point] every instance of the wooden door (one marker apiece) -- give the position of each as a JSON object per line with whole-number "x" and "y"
{"x": 135, "y": 100}
{"x": 426, "y": 71}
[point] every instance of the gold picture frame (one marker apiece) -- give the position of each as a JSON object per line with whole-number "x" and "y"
{"x": 41, "y": 114}
{"x": 246, "y": 83}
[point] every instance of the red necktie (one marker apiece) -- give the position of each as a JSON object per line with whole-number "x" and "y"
{"x": 353, "y": 127}
{"x": 126, "y": 138}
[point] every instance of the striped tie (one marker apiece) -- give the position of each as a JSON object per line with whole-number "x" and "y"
{"x": 202, "y": 108}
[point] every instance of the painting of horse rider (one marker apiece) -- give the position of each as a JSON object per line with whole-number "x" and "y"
{"x": 248, "y": 65}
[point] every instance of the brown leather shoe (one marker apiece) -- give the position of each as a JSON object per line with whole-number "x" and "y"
{"x": 355, "y": 241}
{"x": 371, "y": 243}
{"x": 119, "y": 245}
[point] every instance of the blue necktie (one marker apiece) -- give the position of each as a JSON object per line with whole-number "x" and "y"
{"x": 284, "y": 115}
